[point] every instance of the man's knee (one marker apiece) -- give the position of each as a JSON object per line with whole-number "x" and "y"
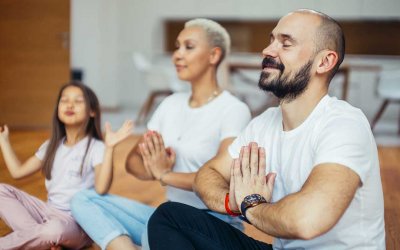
{"x": 162, "y": 213}
{"x": 171, "y": 213}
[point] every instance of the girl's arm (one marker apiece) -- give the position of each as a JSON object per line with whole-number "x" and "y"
{"x": 104, "y": 172}
{"x": 16, "y": 169}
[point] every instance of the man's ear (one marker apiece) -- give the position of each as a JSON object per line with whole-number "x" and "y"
{"x": 215, "y": 56}
{"x": 327, "y": 61}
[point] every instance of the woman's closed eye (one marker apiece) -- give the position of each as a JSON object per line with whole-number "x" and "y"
{"x": 189, "y": 46}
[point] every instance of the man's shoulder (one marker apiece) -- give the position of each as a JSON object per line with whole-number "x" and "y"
{"x": 268, "y": 114}
{"x": 341, "y": 110}
{"x": 340, "y": 119}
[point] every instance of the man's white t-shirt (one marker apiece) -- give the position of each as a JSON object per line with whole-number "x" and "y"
{"x": 196, "y": 133}
{"x": 66, "y": 178}
{"x": 335, "y": 132}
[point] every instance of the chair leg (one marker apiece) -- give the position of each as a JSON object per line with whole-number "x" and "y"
{"x": 143, "y": 111}
{"x": 379, "y": 114}
{"x": 398, "y": 132}
{"x": 146, "y": 108}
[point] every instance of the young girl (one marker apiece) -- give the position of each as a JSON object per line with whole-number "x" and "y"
{"x": 70, "y": 161}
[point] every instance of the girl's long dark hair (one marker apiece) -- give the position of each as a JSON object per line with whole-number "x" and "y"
{"x": 92, "y": 126}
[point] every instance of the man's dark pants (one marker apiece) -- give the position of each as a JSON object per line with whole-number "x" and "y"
{"x": 178, "y": 226}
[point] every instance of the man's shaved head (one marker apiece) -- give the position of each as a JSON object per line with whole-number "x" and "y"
{"x": 329, "y": 35}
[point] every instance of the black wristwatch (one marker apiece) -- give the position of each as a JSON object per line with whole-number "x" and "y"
{"x": 250, "y": 201}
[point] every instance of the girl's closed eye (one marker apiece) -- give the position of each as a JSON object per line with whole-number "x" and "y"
{"x": 63, "y": 100}
{"x": 80, "y": 100}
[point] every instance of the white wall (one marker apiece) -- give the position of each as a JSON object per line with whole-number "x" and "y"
{"x": 95, "y": 48}
{"x": 105, "y": 33}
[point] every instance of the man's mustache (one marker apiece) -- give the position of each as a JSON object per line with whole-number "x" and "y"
{"x": 271, "y": 63}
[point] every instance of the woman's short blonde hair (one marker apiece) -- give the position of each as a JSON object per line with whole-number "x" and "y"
{"x": 217, "y": 35}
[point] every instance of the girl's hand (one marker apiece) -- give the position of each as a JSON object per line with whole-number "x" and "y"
{"x": 112, "y": 138}
{"x": 156, "y": 158}
{"x": 4, "y": 133}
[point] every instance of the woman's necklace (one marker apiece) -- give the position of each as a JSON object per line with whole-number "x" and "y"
{"x": 186, "y": 122}
{"x": 213, "y": 95}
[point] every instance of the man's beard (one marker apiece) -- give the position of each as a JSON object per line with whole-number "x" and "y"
{"x": 282, "y": 87}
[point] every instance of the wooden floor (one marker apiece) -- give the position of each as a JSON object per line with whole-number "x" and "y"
{"x": 25, "y": 144}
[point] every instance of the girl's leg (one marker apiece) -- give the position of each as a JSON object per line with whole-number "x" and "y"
{"x": 105, "y": 217}
{"x": 65, "y": 231}
{"x": 54, "y": 232}
{"x": 20, "y": 210}
{"x": 36, "y": 225}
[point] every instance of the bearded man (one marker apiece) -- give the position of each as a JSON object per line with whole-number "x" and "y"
{"x": 306, "y": 172}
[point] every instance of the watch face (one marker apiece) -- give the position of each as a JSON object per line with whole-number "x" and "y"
{"x": 253, "y": 199}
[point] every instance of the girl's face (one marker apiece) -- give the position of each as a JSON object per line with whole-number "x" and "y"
{"x": 192, "y": 56}
{"x": 72, "y": 107}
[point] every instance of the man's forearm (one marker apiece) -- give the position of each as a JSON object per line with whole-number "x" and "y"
{"x": 277, "y": 219}
{"x": 297, "y": 216}
{"x": 211, "y": 187}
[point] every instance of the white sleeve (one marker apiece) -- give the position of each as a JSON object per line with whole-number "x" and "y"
{"x": 97, "y": 154}
{"x": 41, "y": 152}
{"x": 234, "y": 121}
{"x": 347, "y": 142}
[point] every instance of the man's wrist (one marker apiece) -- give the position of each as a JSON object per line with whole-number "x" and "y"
{"x": 250, "y": 201}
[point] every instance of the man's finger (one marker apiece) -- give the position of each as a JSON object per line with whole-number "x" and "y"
{"x": 244, "y": 163}
{"x": 262, "y": 165}
{"x": 270, "y": 179}
{"x": 253, "y": 159}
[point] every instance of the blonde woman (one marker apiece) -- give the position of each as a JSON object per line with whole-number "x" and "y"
{"x": 186, "y": 130}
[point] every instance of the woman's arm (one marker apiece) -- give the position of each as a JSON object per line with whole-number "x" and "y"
{"x": 135, "y": 165}
{"x": 16, "y": 169}
{"x": 104, "y": 171}
{"x": 160, "y": 160}
{"x": 179, "y": 180}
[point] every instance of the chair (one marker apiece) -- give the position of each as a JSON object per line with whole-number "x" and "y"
{"x": 160, "y": 79}
{"x": 388, "y": 88}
